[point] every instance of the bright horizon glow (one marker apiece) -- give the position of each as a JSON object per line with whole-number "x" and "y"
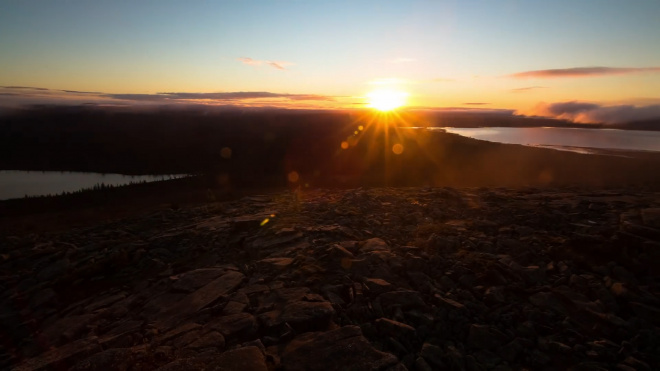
{"x": 387, "y": 99}
{"x": 511, "y": 55}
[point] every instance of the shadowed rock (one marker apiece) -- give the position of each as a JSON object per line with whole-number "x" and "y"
{"x": 341, "y": 349}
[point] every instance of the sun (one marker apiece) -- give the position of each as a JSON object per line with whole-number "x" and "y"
{"x": 387, "y": 100}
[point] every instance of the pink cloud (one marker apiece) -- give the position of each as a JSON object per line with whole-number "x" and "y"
{"x": 280, "y": 65}
{"x": 526, "y": 88}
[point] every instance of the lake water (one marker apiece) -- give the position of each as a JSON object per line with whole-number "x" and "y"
{"x": 567, "y": 137}
{"x": 18, "y": 184}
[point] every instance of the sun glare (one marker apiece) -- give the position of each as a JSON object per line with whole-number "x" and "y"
{"x": 387, "y": 100}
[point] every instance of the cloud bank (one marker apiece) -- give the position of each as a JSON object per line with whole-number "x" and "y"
{"x": 591, "y": 113}
{"x": 527, "y": 88}
{"x": 228, "y": 96}
{"x": 26, "y": 96}
{"x": 581, "y": 72}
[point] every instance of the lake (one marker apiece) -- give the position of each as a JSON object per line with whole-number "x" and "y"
{"x": 636, "y": 140}
{"x": 18, "y": 184}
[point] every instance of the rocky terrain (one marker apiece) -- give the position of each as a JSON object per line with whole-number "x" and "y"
{"x": 362, "y": 279}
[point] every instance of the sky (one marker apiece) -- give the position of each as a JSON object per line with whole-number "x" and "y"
{"x": 548, "y": 58}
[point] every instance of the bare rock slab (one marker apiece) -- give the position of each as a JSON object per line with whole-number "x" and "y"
{"x": 341, "y": 349}
{"x": 248, "y": 358}
{"x": 63, "y": 357}
{"x": 193, "y": 280}
{"x": 308, "y": 316}
{"x": 202, "y": 297}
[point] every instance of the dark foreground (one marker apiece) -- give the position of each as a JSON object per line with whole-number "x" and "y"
{"x": 379, "y": 278}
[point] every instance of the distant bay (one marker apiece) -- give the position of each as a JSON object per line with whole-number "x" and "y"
{"x": 565, "y": 138}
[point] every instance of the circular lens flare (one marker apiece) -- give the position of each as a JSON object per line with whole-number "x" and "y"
{"x": 387, "y": 100}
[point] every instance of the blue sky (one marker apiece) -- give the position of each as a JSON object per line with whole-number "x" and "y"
{"x": 441, "y": 52}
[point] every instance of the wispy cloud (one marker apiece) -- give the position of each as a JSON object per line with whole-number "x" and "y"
{"x": 527, "y": 88}
{"x": 224, "y": 96}
{"x": 24, "y": 87}
{"x": 277, "y": 65}
{"x": 249, "y": 61}
{"x": 588, "y": 113}
{"x": 475, "y": 103}
{"x": 81, "y": 92}
{"x": 21, "y": 96}
{"x": 280, "y": 65}
{"x": 582, "y": 72}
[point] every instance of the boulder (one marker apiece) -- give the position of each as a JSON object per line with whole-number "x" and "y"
{"x": 308, "y": 316}
{"x": 373, "y": 244}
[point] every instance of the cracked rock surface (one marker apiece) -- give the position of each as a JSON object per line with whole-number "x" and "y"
{"x": 360, "y": 279}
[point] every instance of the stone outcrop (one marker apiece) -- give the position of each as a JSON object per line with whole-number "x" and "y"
{"x": 363, "y": 279}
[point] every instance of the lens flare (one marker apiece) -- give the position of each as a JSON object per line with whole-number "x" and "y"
{"x": 293, "y": 176}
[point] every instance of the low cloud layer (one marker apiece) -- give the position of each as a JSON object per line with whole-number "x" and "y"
{"x": 229, "y": 96}
{"x": 526, "y": 88}
{"x": 280, "y": 65}
{"x": 12, "y": 96}
{"x": 591, "y": 113}
{"x": 581, "y": 72}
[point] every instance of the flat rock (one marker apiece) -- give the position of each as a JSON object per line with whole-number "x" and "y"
{"x": 178, "y": 331}
{"x": 274, "y": 264}
{"x": 202, "y": 297}
{"x": 388, "y": 327}
{"x": 249, "y": 221}
{"x": 377, "y": 286}
{"x": 235, "y": 325}
{"x": 373, "y": 244}
{"x": 193, "y": 280}
{"x": 110, "y": 359}
{"x": 271, "y": 242}
{"x": 212, "y": 339}
{"x": 63, "y": 357}
{"x": 248, "y": 358}
{"x": 406, "y": 299}
{"x": 341, "y": 349}
{"x": 67, "y": 329}
{"x": 308, "y": 316}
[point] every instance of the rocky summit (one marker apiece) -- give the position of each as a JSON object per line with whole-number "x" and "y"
{"x": 361, "y": 279}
